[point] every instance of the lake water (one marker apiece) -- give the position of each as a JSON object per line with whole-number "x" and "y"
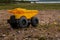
{"x": 47, "y": 0}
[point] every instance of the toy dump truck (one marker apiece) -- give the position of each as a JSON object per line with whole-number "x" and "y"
{"x": 22, "y": 18}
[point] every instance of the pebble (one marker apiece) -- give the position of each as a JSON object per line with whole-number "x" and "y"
{"x": 3, "y": 35}
{"x": 18, "y": 32}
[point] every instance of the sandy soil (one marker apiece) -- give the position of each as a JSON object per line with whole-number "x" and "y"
{"x": 45, "y": 17}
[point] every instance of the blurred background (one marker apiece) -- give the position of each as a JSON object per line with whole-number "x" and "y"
{"x": 28, "y": 1}
{"x": 38, "y": 4}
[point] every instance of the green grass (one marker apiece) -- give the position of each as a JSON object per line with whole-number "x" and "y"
{"x": 30, "y": 6}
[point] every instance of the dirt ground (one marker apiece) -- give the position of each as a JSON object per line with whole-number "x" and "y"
{"x": 48, "y": 28}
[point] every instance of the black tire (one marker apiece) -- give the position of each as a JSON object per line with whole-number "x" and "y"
{"x": 34, "y": 22}
{"x": 29, "y": 22}
{"x": 13, "y": 22}
{"x": 12, "y": 19}
{"x": 23, "y": 22}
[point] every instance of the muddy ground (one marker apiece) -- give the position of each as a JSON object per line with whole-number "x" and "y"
{"x": 48, "y": 28}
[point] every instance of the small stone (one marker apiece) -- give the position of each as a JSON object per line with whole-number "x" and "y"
{"x": 18, "y": 32}
{"x": 56, "y": 35}
{"x": 42, "y": 21}
{"x": 31, "y": 30}
{"x": 3, "y": 35}
{"x": 55, "y": 22}
{"x": 25, "y": 39}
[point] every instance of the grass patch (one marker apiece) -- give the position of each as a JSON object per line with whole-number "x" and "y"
{"x": 30, "y": 6}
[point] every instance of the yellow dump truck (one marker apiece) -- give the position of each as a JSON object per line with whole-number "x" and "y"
{"x": 22, "y": 18}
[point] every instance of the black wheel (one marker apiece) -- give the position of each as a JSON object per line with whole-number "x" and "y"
{"x": 34, "y": 21}
{"x": 12, "y": 19}
{"x": 23, "y": 22}
{"x": 29, "y": 22}
{"x": 13, "y": 22}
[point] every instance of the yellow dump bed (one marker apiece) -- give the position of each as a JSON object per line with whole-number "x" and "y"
{"x": 19, "y": 12}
